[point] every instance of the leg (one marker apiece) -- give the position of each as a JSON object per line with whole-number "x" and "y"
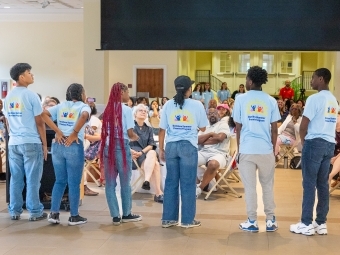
{"x": 74, "y": 166}
{"x": 171, "y": 199}
{"x": 16, "y": 164}
{"x": 247, "y": 169}
{"x": 215, "y": 162}
{"x": 266, "y": 168}
{"x": 201, "y": 160}
{"x": 33, "y": 163}
{"x": 149, "y": 163}
{"x": 110, "y": 187}
{"x": 187, "y": 167}
{"x": 59, "y": 164}
{"x": 156, "y": 179}
{"x": 322, "y": 186}
{"x": 277, "y": 146}
{"x": 311, "y": 161}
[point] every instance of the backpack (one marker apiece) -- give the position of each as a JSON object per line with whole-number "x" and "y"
{"x": 295, "y": 163}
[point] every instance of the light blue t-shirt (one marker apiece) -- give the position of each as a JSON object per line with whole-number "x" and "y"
{"x": 322, "y": 111}
{"x": 20, "y": 107}
{"x": 67, "y": 114}
{"x": 207, "y": 96}
{"x": 223, "y": 95}
{"x": 183, "y": 124}
{"x": 197, "y": 95}
{"x": 255, "y": 110}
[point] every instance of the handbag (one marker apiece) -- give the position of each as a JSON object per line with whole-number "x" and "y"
{"x": 91, "y": 152}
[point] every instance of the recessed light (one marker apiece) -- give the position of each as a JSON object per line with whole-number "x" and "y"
{"x": 7, "y": 7}
{"x": 82, "y": 7}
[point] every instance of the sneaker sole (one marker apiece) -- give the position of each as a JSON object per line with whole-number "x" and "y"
{"x": 132, "y": 220}
{"x": 37, "y": 219}
{"x": 249, "y": 230}
{"x": 116, "y": 223}
{"x": 190, "y": 226}
{"x": 306, "y": 234}
{"x": 271, "y": 229}
{"x": 53, "y": 221}
{"x": 76, "y": 223}
{"x": 169, "y": 225}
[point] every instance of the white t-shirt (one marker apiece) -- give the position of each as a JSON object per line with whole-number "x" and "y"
{"x": 95, "y": 122}
{"x": 182, "y": 124}
{"x": 322, "y": 110}
{"x": 219, "y": 127}
{"x": 255, "y": 110}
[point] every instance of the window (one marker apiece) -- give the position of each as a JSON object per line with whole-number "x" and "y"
{"x": 225, "y": 62}
{"x": 287, "y": 62}
{"x": 268, "y": 62}
{"x": 243, "y": 62}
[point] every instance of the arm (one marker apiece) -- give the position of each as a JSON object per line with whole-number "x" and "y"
{"x": 42, "y": 132}
{"x": 215, "y": 139}
{"x": 93, "y": 138}
{"x": 161, "y": 136}
{"x": 303, "y": 128}
{"x": 238, "y": 134}
{"x": 204, "y": 137}
{"x": 46, "y": 116}
{"x": 274, "y": 134}
{"x": 79, "y": 124}
{"x": 132, "y": 135}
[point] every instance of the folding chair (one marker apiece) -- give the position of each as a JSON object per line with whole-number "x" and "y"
{"x": 222, "y": 181}
{"x": 287, "y": 151}
{"x": 233, "y": 147}
{"x": 94, "y": 164}
{"x": 335, "y": 187}
{"x": 137, "y": 183}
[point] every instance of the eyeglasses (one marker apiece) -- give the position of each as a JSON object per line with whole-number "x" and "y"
{"x": 294, "y": 109}
{"x": 140, "y": 110}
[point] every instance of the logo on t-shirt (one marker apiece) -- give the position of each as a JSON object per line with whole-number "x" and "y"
{"x": 14, "y": 108}
{"x": 67, "y": 117}
{"x": 331, "y": 112}
{"x": 257, "y": 111}
{"x": 181, "y": 120}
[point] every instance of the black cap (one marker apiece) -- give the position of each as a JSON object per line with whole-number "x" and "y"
{"x": 183, "y": 83}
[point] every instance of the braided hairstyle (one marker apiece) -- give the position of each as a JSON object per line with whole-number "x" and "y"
{"x": 74, "y": 92}
{"x": 180, "y": 97}
{"x": 113, "y": 129}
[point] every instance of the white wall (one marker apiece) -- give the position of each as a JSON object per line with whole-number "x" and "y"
{"x": 53, "y": 49}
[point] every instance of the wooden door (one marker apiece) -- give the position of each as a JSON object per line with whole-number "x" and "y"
{"x": 150, "y": 80}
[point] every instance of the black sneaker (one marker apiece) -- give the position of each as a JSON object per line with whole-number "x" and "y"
{"x": 53, "y": 218}
{"x": 117, "y": 221}
{"x": 41, "y": 217}
{"x": 146, "y": 185}
{"x": 15, "y": 217}
{"x": 159, "y": 199}
{"x": 76, "y": 220}
{"x": 132, "y": 217}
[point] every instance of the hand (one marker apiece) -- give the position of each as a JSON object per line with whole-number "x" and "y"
{"x": 333, "y": 160}
{"x": 45, "y": 151}
{"x": 134, "y": 138}
{"x": 73, "y": 137}
{"x": 162, "y": 155}
{"x": 59, "y": 137}
{"x": 134, "y": 154}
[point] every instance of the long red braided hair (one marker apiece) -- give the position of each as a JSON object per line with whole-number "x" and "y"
{"x": 113, "y": 129}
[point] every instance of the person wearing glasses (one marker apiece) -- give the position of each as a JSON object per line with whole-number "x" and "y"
{"x": 288, "y": 132}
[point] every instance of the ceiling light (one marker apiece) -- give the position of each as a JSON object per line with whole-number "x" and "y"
{"x": 7, "y": 7}
{"x": 45, "y": 4}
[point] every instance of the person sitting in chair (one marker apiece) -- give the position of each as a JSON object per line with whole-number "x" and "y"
{"x": 143, "y": 151}
{"x": 216, "y": 142}
{"x": 289, "y": 130}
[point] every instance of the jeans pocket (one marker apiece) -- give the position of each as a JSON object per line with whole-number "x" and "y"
{"x": 32, "y": 149}
{"x": 316, "y": 154}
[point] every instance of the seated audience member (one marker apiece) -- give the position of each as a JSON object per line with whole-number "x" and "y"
{"x": 143, "y": 100}
{"x": 238, "y": 92}
{"x": 131, "y": 102}
{"x": 2, "y": 130}
{"x": 55, "y": 99}
{"x": 48, "y": 103}
{"x": 301, "y": 103}
{"x": 223, "y": 112}
{"x": 216, "y": 142}
{"x": 288, "y": 132}
{"x": 144, "y": 152}
{"x": 164, "y": 100}
{"x": 232, "y": 126}
{"x": 229, "y": 102}
{"x": 282, "y": 108}
{"x": 93, "y": 135}
{"x": 155, "y": 115}
{"x": 335, "y": 161}
{"x": 212, "y": 105}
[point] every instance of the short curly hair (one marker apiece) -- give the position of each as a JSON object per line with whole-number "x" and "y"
{"x": 18, "y": 70}
{"x": 257, "y": 75}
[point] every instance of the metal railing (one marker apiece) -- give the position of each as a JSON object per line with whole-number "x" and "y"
{"x": 215, "y": 83}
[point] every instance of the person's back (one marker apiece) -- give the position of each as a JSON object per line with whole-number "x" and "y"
{"x": 255, "y": 110}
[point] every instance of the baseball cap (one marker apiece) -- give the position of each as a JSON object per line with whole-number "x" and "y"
{"x": 183, "y": 82}
{"x": 225, "y": 106}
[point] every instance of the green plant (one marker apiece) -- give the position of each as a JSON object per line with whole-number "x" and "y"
{"x": 296, "y": 85}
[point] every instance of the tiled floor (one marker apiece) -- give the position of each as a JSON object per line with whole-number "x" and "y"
{"x": 219, "y": 233}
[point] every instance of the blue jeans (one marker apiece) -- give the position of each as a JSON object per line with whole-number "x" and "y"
{"x": 181, "y": 167}
{"x": 25, "y": 160}
{"x": 315, "y": 161}
{"x": 68, "y": 163}
{"x": 124, "y": 177}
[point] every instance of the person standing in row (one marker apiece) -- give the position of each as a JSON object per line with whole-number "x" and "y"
{"x": 317, "y": 133}
{"x": 115, "y": 152}
{"x": 27, "y": 146}
{"x": 256, "y": 114}
{"x": 207, "y": 95}
{"x": 223, "y": 93}
{"x": 68, "y": 151}
{"x": 181, "y": 117}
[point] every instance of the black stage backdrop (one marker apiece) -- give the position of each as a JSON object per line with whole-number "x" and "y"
{"x": 293, "y": 25}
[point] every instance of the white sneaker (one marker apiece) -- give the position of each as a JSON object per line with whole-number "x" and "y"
{"x": 271, "y": 225}
{"x": 249, "y": 225}
{"x": 198, "y": 190}
{"x": 320, "y": 229}
{"x": 301, "y": 228}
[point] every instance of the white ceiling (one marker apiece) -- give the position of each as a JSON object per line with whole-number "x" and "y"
{"x": 35, "y": 6}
